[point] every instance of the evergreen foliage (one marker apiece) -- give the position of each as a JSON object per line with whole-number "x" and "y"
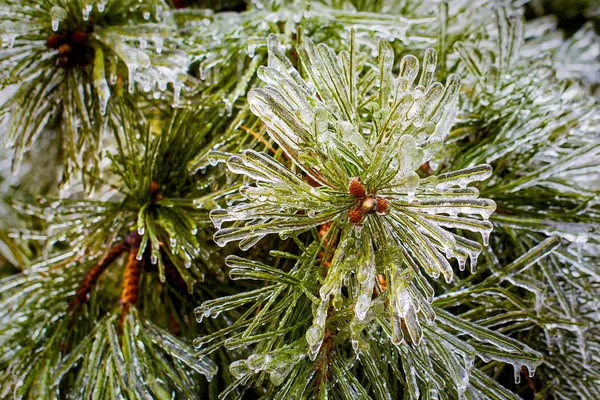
{"x": 310, "y": 181}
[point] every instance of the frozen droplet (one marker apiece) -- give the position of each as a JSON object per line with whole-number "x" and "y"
{"x": 158, "y": 43}
{"x": 239, "y": 369}
{"x": 252, "y": 49}
{"x": 228, "y": 107}
{"x": 56, "y": 15}
{"x": 314, "y": 338}
{"x": 462, "y": 262}
{"x": 199, "y": 318}
{"x": 86, "y": 10}
{"x": 485, "y": 236}
{"x": 131, "y": 70}
{"x": 176, "y": 93}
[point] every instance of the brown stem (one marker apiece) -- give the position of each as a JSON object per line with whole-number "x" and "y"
{"x": 259, "y": 137}
{"x": 530, "y": 381}
{"x": 326, "y": 349}
{"x": 131, "y": 278}
{"x": 94, "y": 273}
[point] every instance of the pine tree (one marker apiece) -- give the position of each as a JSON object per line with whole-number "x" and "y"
{"x": 280, "y": 200}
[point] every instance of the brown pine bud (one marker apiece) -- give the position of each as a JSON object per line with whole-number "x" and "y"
{"x": 356, "y": 215}
{"x": 324, "y": 229}
{"x": 54, "y": 41}
{"x": 79, "y": 37}
{"x": 382, "y": 205}
{"x": 369, "y": 205}
{"x": 154, "y": 191}
{"x": 131, "y": 277}
{"x": 356, "y": 188}
{"x": 63, "y": 61}
{"x": 65, "y": 49}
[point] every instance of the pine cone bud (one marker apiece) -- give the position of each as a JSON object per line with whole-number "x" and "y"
{"x": 356, "y": 188}
{"x": 79, "y": 37}
{"x": 65, "y": 49}
{"x": 54, "y": 41}
{"x": 382, "y": 205}
{"x": 369, "y": 205}
{"x": 356, "y": 215}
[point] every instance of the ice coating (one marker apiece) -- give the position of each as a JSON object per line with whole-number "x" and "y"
{"x": 319, "y": 124}
{"x": 315, "y": 334}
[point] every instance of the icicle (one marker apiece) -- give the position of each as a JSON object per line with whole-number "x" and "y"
{"x": 57, "y": 14}
{"x": 176, "y": 93}
{"x": 87, "y": 9}
{"x": 517, "y": 371}
{"x": 100, "y": 83}
{"x": 252, "y": 49}
{"x": 131, "y": 70}
{"x": 462, "y": 263}
{"x": 142, "y": 249}
{"x": 159, "y": 43}
{"x": 315, "y": 334}
{"x": 112, "y": 70}
{"x": 485, "y": 236}
{"x": 366, "y": 277}
{"x": 228, "y": 107}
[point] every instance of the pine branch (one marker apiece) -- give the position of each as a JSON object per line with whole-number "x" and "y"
{"x": 374, "y": 170}
{"x": 61, "y": 63}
